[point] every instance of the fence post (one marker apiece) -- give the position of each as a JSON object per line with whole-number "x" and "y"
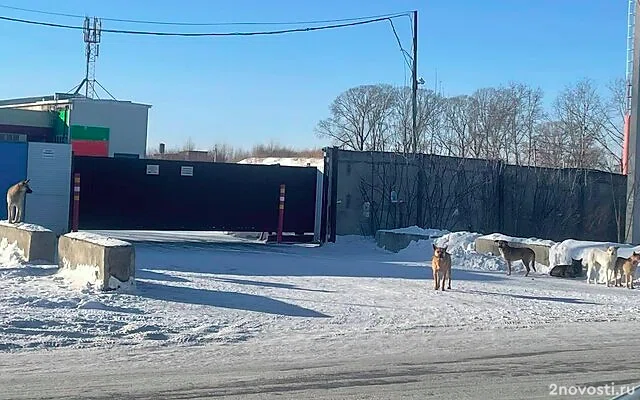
{"x": 281, "y": 213}
{"x": 75, "y": 219}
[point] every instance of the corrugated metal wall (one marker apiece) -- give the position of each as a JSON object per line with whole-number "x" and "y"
{"x": 13, "y": 168}
{"x": 49, "y": 168}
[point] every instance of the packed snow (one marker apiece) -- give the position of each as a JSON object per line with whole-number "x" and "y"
{"x": 232, "y": 291}
{"x": 102, "y": 240}
{"x": 25, "y": 226}
{"x": 525, "y": 241}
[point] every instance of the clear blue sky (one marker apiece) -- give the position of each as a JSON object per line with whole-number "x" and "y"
{"x": 244, "y": 91}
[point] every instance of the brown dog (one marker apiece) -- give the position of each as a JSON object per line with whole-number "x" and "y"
{"x": 15, "y": 201}
{"x": 617, "y": 270}
{"x": 628, "y": 270}
{"x": 512, "y": 254}
{"x": 441, "y": 266}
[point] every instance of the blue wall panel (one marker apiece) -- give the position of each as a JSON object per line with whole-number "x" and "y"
{"x": 13, "y": 167}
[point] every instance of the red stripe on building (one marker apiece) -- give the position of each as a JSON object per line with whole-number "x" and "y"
{"x": 98, "y": 148}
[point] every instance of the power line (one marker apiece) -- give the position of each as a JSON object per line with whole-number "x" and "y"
{"x": 147, "y": 22}
{"x": 200, "y": 34}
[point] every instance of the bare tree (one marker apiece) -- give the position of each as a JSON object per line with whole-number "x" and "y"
{"x": 579, "y": 110}
{"x": 490, "y": 111}
{"x": 613, "y": 120}
{"x": 429, "y": 110}
{"x": 360, "y": 118}
{"x": 189, "y": 145}
{"x": 457, "y": 124}
{"x": 525, "y": 107}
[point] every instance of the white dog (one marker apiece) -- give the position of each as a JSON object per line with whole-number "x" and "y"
{"x": 598, "y": 259}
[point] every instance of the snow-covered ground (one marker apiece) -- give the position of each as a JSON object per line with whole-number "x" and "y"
{"x": 233, "y": 291}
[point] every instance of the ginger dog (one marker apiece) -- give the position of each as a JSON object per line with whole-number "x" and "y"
{"x": 441, "y": 266}
{"x": 629, "y": 269}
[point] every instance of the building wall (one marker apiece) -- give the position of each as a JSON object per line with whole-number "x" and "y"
{"x": 476, "y": 195}
{"x": 127, "y": 123}
{"x": 49, "y": 171}
{"x": 10, "y": 116}
{"x": 36, "y": 125}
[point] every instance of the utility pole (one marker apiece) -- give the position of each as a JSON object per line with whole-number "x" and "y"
{"x": 414, "y": 84}
{"x": 414, "y": 118}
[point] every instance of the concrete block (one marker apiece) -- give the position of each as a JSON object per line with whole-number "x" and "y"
{"x": 112, "y": 259}
{"x": 37, "y": 243}
{"x": 396, "y": 241}
{"x": 486, "y": 245}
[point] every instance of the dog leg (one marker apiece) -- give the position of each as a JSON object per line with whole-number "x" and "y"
{"x": 449, "y": 276}
{"x": 509, "y": 267}
{"x": 435, "y": 279}
{"x": 526, "y": 265}
{"x": 444, "y": 275}
{"x": 533, "y": 262}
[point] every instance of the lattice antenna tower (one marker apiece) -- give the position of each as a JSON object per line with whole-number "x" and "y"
{"x": 92, "y": 33}
{"x": 630, "y": 49}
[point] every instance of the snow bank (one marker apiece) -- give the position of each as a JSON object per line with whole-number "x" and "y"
{"x": 562, "y": 253}
{"x": 461, "y": 246}
{"x": 525, "y": 241}
{"x": 416, "y": 230}
{"x": 100, "y": 240}
{"x": 11, "y": 255}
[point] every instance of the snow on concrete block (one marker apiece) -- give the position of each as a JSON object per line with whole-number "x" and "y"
{"x": 36, "y": 242}
{"x": 486, "y": 245}
{"x": 112, "y": 261}
{"x": 397, "y": 239}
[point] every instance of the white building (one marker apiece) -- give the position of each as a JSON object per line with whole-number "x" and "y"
{"x": 93, "y": 126}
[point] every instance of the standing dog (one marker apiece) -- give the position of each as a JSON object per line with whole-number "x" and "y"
{"x": 512, "y": 254}
{"x": 605, "y": 259}
{"x": 441, "y": 266}
{"x": 617, "y": 270}
{"x": 629, "y": 269}
{"x": 15, "y": 201}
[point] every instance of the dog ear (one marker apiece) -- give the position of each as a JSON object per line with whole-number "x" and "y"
{"x": 27, "y": 180}
{"x": 434, "y": 245}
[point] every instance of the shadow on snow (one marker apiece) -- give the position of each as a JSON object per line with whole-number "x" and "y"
{"x": 231, "y": 300}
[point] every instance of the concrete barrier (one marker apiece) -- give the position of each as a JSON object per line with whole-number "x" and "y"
{"x": 396, "y": 240}
{"x": 113, "y": 260}
{"x": 486, "y": 244}
{"x": 36, "y": 242}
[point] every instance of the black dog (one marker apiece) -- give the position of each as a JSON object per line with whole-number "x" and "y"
{"x": 568, "y": 271}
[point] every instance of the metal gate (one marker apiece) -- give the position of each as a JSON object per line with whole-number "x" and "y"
{"x": 144, "y": 194}
{"x": 13, "y": 168}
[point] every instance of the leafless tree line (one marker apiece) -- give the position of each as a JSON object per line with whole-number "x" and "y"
{"x": 224, "y": 152}
{"x": 581, "y": 129}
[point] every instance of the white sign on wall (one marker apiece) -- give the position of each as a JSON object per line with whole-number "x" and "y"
{"x": 48, "y": 153}
{"x": 186, "y": 171}
{"x": 153, "y": 169}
